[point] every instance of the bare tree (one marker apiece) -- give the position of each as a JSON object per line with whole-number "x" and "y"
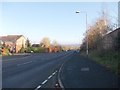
{"x": 45, "y": 42}
{"x": 55, "y": 43}
{"x": 28, "y": 44}
{"x": 96, "y": 32}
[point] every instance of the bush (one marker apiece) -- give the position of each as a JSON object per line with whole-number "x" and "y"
{"x": 108, "y": 58}
{"x": 22, "y": 50}
{"x": 29, "y": 49}
{"x": 34, "y": 49}
{"x": 38, "y": 49}
{"x": 6, "y": 52}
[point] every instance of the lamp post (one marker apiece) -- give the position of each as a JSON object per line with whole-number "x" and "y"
{"x": 86, "y": 31}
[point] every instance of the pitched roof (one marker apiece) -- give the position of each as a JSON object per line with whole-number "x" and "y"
{"x": 10, "y": 38}
{"x": 35, "y": 45}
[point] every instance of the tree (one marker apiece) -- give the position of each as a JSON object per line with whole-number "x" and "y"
{"x": 45, "y": 42}
{"x": 28, "y": 44}
{"x": 55, "y": 43}
{"x": 3, "y": 44}
{"x": 96, "y": 32}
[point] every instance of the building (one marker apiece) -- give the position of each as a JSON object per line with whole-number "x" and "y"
{"x": 118, "y": 14}
{"x": 35, "y": 45}
{"x": 13, "y": 42}
{"x": 109, "y": 40}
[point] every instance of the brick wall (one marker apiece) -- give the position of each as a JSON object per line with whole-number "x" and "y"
{"x": 108, "y": 40}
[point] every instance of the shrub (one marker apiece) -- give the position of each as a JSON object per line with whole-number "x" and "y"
{"x": 5, "y": 51}
{"x": 22, "y": 50}
{"x": 38, "y": 49}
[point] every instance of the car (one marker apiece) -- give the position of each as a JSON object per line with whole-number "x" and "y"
{"x": 31, "y": 51}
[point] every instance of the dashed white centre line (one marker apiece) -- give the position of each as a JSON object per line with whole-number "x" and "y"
{"x": 53, "y": 73}
{"x": 49, "y": 76}
{"x": 24, "y": 63}
{"x": 46, "y": 80}
{"x": 39, "y": 86}
{"x": 56, "y": 71}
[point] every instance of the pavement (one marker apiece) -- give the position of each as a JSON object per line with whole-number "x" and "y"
{"x": 81, "y": 72}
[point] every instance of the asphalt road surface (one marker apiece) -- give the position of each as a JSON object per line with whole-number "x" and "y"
{"x": 44, "y": 70}
{"x": 34, "y": 71}
{"x": 81, "y": 72}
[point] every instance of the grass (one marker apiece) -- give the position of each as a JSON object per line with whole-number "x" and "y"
{"x": 108, "y": 59}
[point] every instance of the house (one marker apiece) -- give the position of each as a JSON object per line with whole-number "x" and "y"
{"x": 13, "y": 42}
{"x": 54, "y": 49}
{"x": 35, "y": 45}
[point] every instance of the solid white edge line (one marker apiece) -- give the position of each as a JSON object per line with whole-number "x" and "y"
{"x": 58, "y": 77}
{"x": 60, "y": 82}
{"x": 61, "y": 85}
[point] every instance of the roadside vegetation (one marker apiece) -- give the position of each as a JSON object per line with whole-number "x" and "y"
{"x": 103, "y": 46}
{"x": 108, "y": 59}
{"x": 5, "y": 52}
{"x": 45, "y": 46}
{"x": 32, "y": 49}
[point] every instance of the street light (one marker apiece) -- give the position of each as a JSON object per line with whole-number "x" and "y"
{"x": 86, "y": 31}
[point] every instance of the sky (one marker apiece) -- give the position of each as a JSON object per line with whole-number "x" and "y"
{"x": 56, "y": 20}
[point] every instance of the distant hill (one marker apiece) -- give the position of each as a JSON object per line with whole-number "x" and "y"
{"x": 70, "y": 46}
{"x": 77, "y": 45}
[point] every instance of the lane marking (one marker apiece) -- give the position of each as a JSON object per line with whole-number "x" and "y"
{"x": 44, "y": 81}
{"x": 24, "y": 63}
{"x": 59, "y": 71}
{"x": 39, "y": 86}
{"x": 49, "y": 76}
{"x": 16, "y": 58}
{"x": 56, "y": 71}
{"x": 85, "y": 69}
{"x": 53, "y": 73}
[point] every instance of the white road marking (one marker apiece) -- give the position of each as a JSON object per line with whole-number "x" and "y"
{"x": 39, "y": 86}
{"x": 52, "y": 76}
{"x": 53, "y": 73}
{"x": 44, "y": 81}
{"x": 60, "y": 82}
{"x": 85, "y": 69}
{"x": 49, "y": 76}
{"x": 24, "y": 63}
{"x": 56, "y": 71}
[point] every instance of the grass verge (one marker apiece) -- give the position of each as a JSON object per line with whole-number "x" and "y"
{"x": 109, "y": 59}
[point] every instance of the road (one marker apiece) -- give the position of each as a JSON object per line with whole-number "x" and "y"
{"x": 82, "y": 72}
{"x": 34, "y": 71}
{"x": 44, "y": 70}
